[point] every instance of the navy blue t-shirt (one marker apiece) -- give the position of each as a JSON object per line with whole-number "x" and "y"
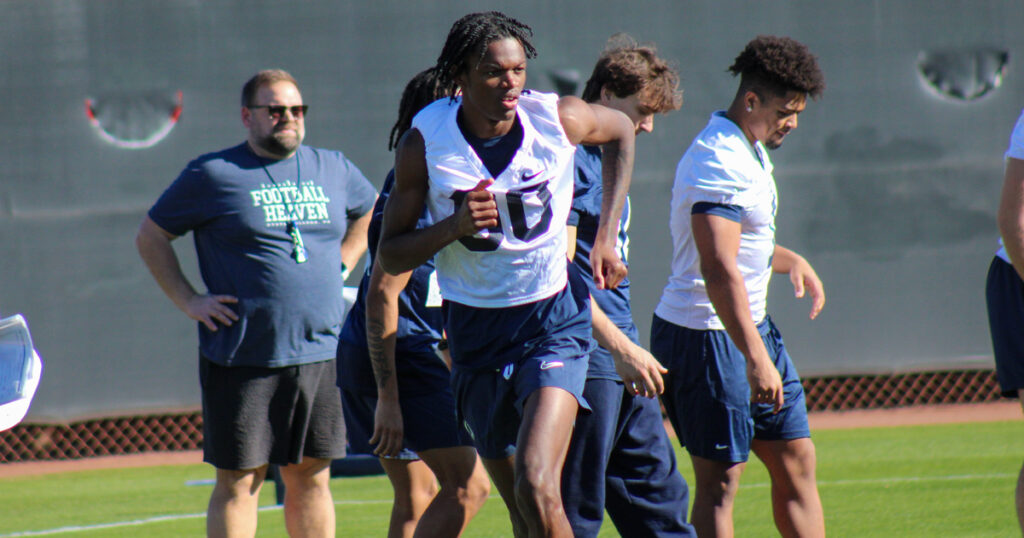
{"x": 239, "y": 206}
{"x": 419, "y": 369}
{"x": 585, "y": 214}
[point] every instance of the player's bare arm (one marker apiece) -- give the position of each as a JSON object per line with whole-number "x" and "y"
{"x": 718, "y": 243}
{"x": 403, "y": 247}
{"x": 1011, "y": 213}
{"x": 156, "y": 251}
{"x": 353, "y": 245}
{"x": 381, "y": 336}
{"x": 593, "y": 124}
{"x": 802, "y": 275}
{"x": 639, "y": 370}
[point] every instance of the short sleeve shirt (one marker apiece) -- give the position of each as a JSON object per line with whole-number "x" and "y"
{"x": 1015, "y": 151}
{"x": 585, "y": 216}
{"x": 240, "y": 208}
{"x": 720, "y": 168}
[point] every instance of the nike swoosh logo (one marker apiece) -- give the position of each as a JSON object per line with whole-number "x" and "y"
{"x": 721, "y": 447}
{"x": 528, "y": 178}
{"x": 547, "y": 365}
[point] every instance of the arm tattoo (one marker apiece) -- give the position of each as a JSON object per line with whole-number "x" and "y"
{"x": 382, "y": 371}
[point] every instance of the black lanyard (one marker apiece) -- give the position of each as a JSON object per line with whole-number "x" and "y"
{"x": 292, "y": 228}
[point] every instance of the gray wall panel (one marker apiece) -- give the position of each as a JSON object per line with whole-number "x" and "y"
{"x": 888, "y": 188}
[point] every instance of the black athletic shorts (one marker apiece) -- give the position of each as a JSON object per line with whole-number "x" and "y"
{"x": 1004, "y": 296}
{"x": 254, "y": 416}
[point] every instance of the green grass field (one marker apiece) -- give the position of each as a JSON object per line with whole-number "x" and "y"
{"x": 949, "y": 480}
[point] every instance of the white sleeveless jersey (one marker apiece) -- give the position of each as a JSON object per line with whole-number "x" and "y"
{"x": 1015, "y": 151}
{"x": 720, "y": 167}
{"x": 523, "y": 259}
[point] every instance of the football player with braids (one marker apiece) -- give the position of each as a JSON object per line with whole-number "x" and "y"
{"x": 494, "y": 168}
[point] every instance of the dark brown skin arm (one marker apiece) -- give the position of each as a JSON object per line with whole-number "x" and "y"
{"x": 592, "y": 124}
{"x": 381, "y": 336}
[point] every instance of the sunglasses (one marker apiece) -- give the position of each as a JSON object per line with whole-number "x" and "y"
{"x": 277, "y": 111}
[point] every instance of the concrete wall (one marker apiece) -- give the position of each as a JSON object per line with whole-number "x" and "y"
{"x": 889, "y": 186}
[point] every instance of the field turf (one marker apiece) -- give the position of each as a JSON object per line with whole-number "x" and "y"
{"x": 949, "y": 480}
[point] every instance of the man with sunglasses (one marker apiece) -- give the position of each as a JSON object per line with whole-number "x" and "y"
{"x": 275, "y": 223}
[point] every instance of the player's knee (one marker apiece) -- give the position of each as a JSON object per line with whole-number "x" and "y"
{"x": 237, "y": 484}
{"x": 717, "y": 493}
{"x": 477, "y": 489}
{"x": 418, "y": 494}
{"x": 718, "y": 482}
{"x": 311, "y": 474}
{"x": 800, "y": 458}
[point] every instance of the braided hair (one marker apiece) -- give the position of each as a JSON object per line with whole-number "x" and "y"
{"x": 423, "y": 89}
{"x": 470, "y": 35}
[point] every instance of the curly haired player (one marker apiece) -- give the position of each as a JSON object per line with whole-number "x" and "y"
{"x": 732, "y": 387}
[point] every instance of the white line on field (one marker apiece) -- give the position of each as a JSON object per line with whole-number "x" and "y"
{"x": 892, "y": 480}
{"x": 158, "y": 519}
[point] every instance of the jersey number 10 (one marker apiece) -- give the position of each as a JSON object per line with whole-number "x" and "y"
{"x": 514, "y": 211}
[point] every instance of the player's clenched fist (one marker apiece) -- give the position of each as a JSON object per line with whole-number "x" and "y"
{"x": 609, "y": 269}
{"x": 479, "y": 211}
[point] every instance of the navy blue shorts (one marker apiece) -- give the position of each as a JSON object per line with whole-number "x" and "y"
{"x": 1004, "y": 294}
{"x": 707, "y": 395}
{"x": 428, "y": 421}
{"x": 502, "y": 355}
{"x": 253, "y": 416}
{"x": 621, "y": 460}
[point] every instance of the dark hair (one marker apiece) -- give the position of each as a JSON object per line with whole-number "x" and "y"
{"x": 470, "y": 35}
{"x": 261, "y": 79}
{"x": 626, "y": 68}
{"x": 778, "y": 65}
{"x": 423, "y": 89}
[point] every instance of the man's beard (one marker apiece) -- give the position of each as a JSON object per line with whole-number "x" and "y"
{"x": 776, "y": 143}
{"x": 279, "y": 144}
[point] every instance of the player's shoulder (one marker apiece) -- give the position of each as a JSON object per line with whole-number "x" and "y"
{"x": 720, "y": 154}
{"x": 542, "y": 104}
{"x": 721, "y": 138}
{"x": 707, "y": 169}
{"x": 434, "y": 116}
{"x": 538, "y": 98}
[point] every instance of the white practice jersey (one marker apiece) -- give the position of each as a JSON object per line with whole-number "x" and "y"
{"x": 722, "y": 168}
{"x": 523, "y": 259}
{"x": 1015, "y": 151}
